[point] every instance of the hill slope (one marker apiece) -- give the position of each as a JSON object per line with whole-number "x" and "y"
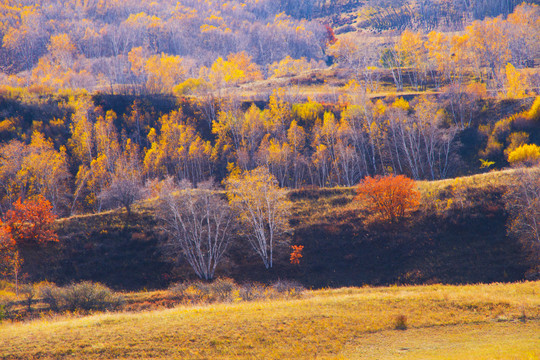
{"x": 443, "y": 322}
{"x": 458, "y": 236}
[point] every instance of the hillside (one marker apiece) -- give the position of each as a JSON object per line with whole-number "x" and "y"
{"x": 442, "y": 322}
{"x": 458, "y": 236}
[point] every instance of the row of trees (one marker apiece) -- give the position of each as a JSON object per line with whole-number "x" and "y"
{"x": 301, "y": 144}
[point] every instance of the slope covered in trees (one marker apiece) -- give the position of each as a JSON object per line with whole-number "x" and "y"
{"x": 103, "y": 103}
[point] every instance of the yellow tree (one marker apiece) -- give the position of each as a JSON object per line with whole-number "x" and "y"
{"x": 262, "y": 207}
{"x": 516, "y": 82}
{"x": 81, "y": 141}
{"x": 178, "y": 150}
{"x": 44, "y": 171}
{"x": 413, "y": 55}
{"x": 164, "y": 72}
{"x": 242, "y": 60}
{"x": 296, "y": 136}
{"x": 12, "y": 156}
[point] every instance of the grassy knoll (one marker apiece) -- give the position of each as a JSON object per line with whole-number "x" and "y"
{"x": 471, "y": 321}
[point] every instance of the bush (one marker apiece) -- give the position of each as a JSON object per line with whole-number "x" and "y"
{"x": 527, "y": 154}
{"x": 289, "y": 287}
{"x": 199, "y": 291}
{"x": 84, "y": 296}
{"x": 223, "y": 289}
{"x": 400, "y": 322}
{"x": 52, "y": 296}
{"x": 28, "y": 291}
{"x": 390, "y": 196}
{"x": 89, "y": 296}
{"x": 254, "y": 291}
{"x": 4, "y": 311}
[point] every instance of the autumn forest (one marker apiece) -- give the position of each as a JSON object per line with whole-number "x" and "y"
{"x": 238, "y": 152}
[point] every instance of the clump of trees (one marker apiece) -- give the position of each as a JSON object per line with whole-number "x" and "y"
{"x": 493, "y": 50}
{"x": 139, "y": 46}
{"x": 199, "y": 221}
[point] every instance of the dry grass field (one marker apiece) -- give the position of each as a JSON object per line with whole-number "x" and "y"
{"x": 495, "y": 321}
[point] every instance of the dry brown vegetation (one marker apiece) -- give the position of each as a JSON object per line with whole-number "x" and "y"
{"x": 442, "y": 322}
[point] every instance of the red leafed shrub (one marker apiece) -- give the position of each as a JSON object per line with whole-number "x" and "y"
{"x": 390, "y": 196}
{"x": 296, "y": 254}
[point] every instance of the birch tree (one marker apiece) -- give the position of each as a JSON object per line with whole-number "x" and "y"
{"x": 198, "y": 222}
{"x": 523, "y": 204}
{"x": 262, "y": 207}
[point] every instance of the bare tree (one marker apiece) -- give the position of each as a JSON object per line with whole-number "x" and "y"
{"x": 523, "y": 205}
{"x": 122, "y": 192}
{"x": 198, "y": 222}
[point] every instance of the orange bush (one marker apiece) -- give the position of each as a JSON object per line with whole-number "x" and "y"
{"x": 390, "y": 196}
{"x": 296, "y": 254}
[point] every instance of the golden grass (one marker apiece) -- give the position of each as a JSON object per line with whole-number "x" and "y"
{"x": 341, "y": 323}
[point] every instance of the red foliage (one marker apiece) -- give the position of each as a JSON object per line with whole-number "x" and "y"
{"x": 296, "y": 254}
{"x": 31, "y": 222}
{"x": 330, "y": 36}
{"x": 391, "y": 196}
{"x": 7, "y": 245}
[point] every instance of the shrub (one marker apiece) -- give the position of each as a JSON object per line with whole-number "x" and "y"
{"x": 199, "y": 291}
{"x": 3, "y": 312}
{"x": 253, "y": 291}
{"x": 288, "y": 287}
{"x": 82, "y": 296}
{"x": 400, "y": 322}
{"x": 223, "y": 289}
{"x": 52, "y": 296}
{"x": 89, "y": 296}
{"x": 29, "y": 292}
{"x": 525, "y": 154}
{"x": 390, "y": 196}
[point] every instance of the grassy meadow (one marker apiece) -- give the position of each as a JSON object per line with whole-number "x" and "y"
{"x": 495, "y": 321}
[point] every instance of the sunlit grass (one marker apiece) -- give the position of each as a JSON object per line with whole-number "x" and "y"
{"x": 322, "y": 324}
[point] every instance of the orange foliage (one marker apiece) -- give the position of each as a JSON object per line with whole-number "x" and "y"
{"x": 390, "y": 196}
{"x": 31, "y": 222}
{"x": 6, "y": 241}
{"x": 296, "y": 254}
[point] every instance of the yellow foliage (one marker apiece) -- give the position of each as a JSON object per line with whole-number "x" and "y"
{"x": 516, "y": 82}
{"x": 164, "y": 71}
{"x": 223, "y": 72}
{"x": 289, "y": 67}
{"x": 525, "y": 154}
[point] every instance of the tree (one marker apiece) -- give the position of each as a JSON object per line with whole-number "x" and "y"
{"x": 32, "y": 221}
{"x": 262, "y": 207}
{"x": 522, "y": 201}
{"x": 7, "y": 249}
{"x": 390, "y": 196}
{"x": 126, "y": 185}
{"x": 198, "y": 222}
